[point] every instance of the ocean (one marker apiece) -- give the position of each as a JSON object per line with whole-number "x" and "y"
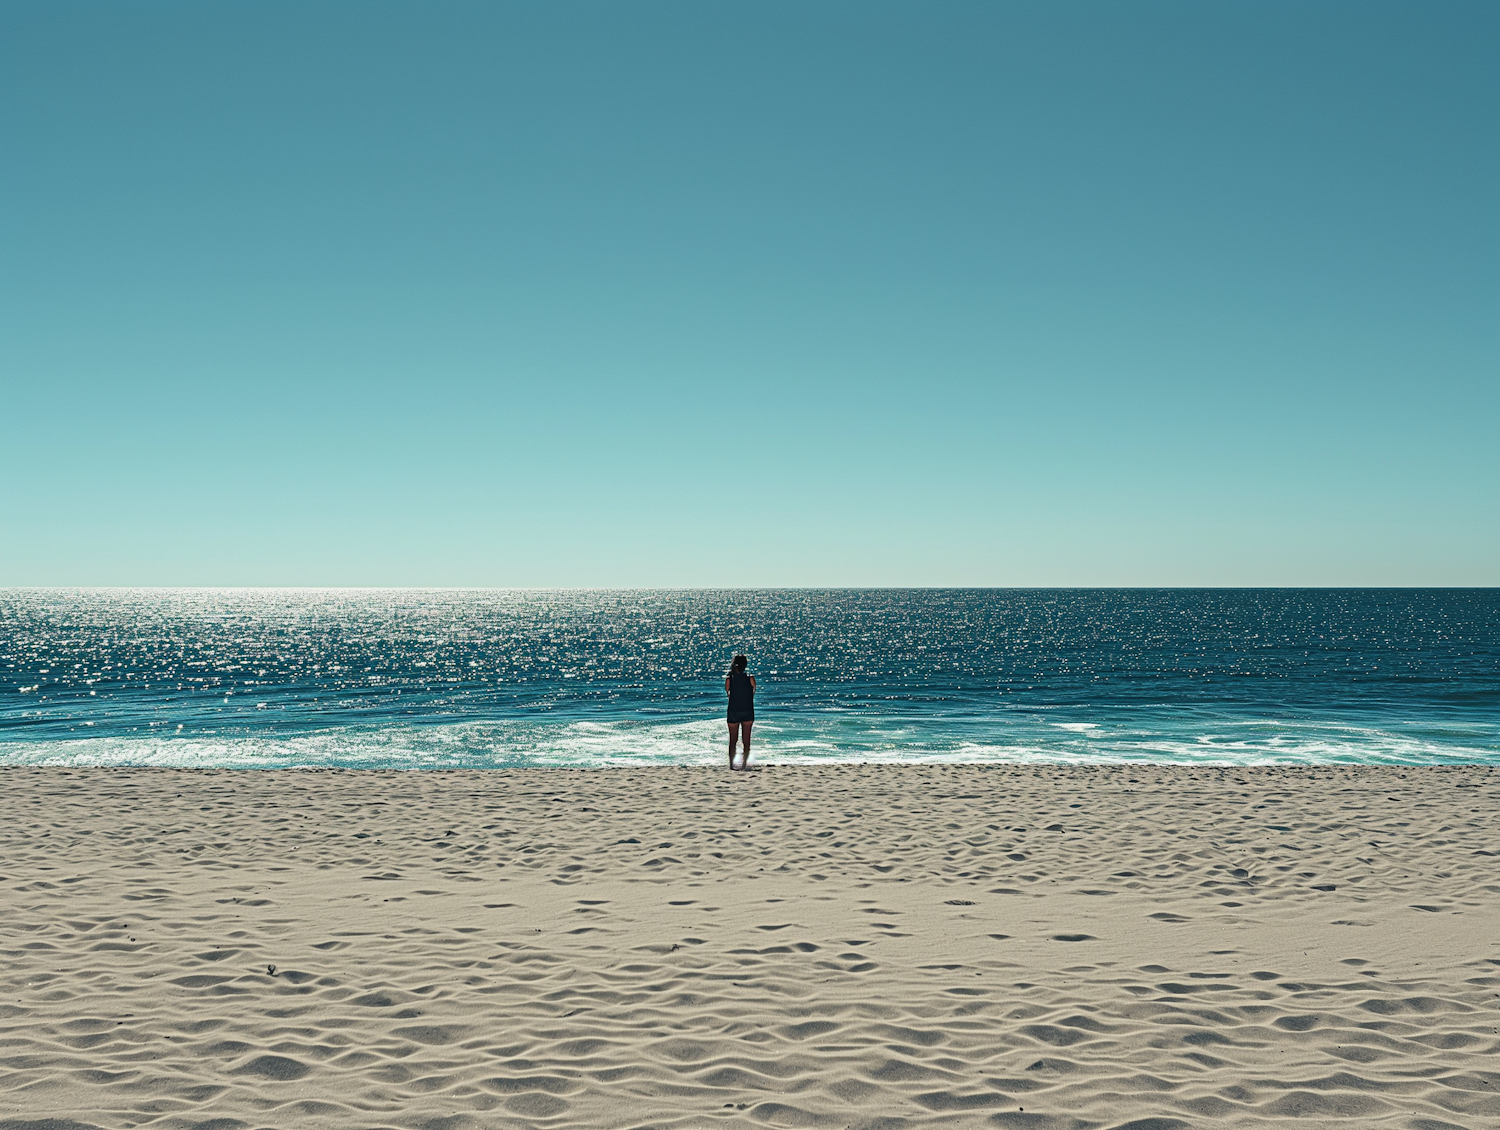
{"x": 427, "y": 678}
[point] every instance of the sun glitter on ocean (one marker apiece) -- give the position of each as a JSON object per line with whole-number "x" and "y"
{"x": 444, "y": 678}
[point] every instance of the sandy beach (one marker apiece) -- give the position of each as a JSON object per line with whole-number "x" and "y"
{"x": 841, "y": 946}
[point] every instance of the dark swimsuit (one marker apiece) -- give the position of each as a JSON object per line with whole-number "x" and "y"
{"x": 741, "y": 698}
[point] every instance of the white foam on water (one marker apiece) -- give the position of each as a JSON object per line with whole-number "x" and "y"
{"x": 822, "y": 738}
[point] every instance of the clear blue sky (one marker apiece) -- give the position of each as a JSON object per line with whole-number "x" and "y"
{"x": 759, "y": 293}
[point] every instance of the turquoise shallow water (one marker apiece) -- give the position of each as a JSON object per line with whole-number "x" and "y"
{"x": 428, "y": 678}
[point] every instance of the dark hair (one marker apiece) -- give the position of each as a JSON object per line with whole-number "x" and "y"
{"x": 739, "y": 664}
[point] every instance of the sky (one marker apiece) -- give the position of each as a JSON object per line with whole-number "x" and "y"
{"x": 724, "y": 293}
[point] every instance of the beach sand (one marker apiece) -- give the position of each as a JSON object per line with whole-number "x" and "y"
{"x": 861, "y": 946}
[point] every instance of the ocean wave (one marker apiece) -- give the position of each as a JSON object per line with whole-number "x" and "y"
{"x": 821, "y": 738}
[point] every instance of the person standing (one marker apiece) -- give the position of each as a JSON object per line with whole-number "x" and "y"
{"x": 740, "y": 687}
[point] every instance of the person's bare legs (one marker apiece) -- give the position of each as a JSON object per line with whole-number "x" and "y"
{"x": 739, "y": 730}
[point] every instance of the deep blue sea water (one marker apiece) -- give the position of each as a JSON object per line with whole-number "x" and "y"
{"x": 441, "y": 678}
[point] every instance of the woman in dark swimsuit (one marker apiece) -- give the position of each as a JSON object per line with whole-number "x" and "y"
{"x": 740, "y": 688}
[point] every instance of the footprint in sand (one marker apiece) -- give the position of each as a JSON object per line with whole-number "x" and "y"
{"x": 278, "y": 1067}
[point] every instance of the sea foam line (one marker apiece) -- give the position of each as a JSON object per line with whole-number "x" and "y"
{"x": 816, "y": 739}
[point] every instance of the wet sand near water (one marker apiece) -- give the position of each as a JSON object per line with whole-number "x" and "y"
{"x": 842, "y": 946}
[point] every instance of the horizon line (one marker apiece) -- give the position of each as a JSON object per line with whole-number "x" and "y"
{"x": 748, "y": 588}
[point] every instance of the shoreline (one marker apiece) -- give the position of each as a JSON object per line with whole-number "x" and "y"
{"x": 840, "y": 945}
